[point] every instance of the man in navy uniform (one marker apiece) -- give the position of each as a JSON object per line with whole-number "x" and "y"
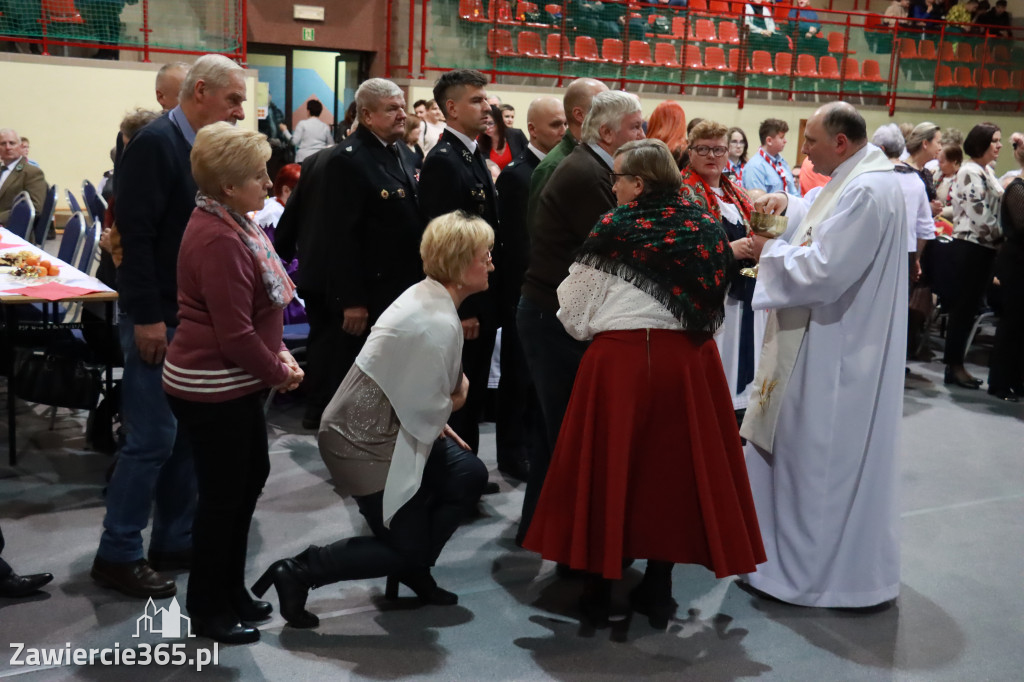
{"x": 356, "y": 254}
{"x": 454, "y": 177}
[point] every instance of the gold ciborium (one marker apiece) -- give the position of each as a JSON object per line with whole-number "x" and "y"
{"x": 768, "y": 226}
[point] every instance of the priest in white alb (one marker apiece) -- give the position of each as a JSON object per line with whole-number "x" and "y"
{"x": 823, "y": 423}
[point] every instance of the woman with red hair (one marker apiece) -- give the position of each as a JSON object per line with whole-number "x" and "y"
{"x": 668, "y": 124}
{"x": 273, "y": 206}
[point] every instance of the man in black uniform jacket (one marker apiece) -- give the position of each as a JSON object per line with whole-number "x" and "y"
{"x": 356, "y": 224}
{"x": 454, "y": 177}
{"x": 519, "y": 427}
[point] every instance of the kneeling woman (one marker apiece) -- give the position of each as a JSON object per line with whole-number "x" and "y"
{"x": 648, "y": 463}
{"x": 385, "y": 439}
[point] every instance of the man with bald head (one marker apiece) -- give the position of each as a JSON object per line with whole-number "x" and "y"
{"x": 576, "y": 104}
{"x": 824, "y": 418}
{"x": 518, "y": 413}
{"x": 168, "y": 84}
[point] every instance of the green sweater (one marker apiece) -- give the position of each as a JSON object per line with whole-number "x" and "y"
{"x": 542, "y": 173}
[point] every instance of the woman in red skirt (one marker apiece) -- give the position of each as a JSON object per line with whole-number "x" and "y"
{"x": 648, "y": 463}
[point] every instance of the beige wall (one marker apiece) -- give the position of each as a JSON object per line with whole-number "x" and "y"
{"x": 70, "y": 110}
{"x": 754, "y": 111}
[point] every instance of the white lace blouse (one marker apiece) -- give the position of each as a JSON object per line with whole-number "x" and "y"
{"x": 591, "y": 301}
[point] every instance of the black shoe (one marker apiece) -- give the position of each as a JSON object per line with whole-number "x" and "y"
{"x": 311, "y": 423}
{"x": 1004, "y": 394}
{"x": 425, "y": 587}
{"x": 15, "y": 586}
{"x": 517, "y": 468}
{"x": 291, "y": 579}
{"x": 566, "y": 572}
{"x": 225, "y": 629}
{"x": 491, "y": 488}
{"x": 132, "y": 578}
{"x": 170, "y": 561}
{"x": 249, "y": 609}
{"x": 952, "y": 378}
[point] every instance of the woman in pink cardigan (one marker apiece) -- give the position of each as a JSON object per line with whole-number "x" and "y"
{"x": 227, "y": 351}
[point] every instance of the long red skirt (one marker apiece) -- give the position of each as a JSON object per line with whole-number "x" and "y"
{"x": 648, "y": 463}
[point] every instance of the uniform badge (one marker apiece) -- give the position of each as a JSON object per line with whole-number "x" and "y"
{"x": 383, "y": 194}
{"x": 466, "y": 156}
{"x": 348, "y": 149}
{"x": 401, "y": 193}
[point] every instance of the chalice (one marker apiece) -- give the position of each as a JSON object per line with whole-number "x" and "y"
{"x": 768, "y": 226}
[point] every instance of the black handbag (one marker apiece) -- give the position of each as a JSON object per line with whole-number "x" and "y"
{"x": 48, "y": 377}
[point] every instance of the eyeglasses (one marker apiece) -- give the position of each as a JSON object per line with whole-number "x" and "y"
{"x": 613, "y": 175}
{"x": 487, "y": 259}
{"x": 704, "y": 150}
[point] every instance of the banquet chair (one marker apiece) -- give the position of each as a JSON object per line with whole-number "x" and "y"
{"x": 23, "y": 215}
{"x": 44, "y": 221}
{"x": 94, "y": 202}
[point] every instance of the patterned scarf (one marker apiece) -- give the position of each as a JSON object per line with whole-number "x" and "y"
{"x": 696, "y": 190}
{"x": 669, "y": 248}
{"x": 280, "y": 289}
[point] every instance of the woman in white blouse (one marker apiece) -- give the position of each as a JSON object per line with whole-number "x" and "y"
{"x": 311, "y": 134}
{"x": 648, "y": 463}
{"x": 977, "y": 196}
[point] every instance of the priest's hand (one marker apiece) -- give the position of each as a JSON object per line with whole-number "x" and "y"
{"x": 772, "y": 204}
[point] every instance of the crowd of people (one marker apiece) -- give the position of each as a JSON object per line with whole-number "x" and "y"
{"x": 659, "y": 403}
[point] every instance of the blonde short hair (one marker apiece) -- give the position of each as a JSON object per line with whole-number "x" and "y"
{"x": 226, "y": 155}
{"x": 706, "y": 130}
{"x": 450, "y": 243}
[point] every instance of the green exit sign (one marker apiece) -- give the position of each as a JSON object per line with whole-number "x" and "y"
{"x": 308, "y": 34}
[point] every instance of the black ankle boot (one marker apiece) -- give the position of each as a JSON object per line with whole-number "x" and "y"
{"x": 292, "y": 580}
{"x": 653, "y": 596}
{"x": 595, "y": 602}
{"x": 423, "y": 584}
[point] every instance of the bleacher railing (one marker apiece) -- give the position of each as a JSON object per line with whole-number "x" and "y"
{"x": 144, "y": 26}
{"x": 710, "y": 47}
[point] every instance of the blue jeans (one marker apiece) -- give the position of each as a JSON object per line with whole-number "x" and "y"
{"x": 552, "y": 357}
{"x": 154, "y": 469}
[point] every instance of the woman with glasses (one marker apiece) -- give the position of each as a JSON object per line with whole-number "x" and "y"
{"x": 495, "y": 142}
{"x": 706, "y": 184}
{"x": 384, "y": 436}
{"x": 648, "y": 464}
{"x": 737, "y": 157}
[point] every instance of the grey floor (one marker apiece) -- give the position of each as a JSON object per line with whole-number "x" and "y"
{"x": 960, "y": 614}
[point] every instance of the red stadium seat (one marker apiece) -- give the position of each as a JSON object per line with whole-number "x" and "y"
{"x": 499, "y": 43}
{"x": 926, "y": 50}
{"x": 558, "y": 47}
{"x": 528, "y": 43}
{"x": 612, "y": 50}
{"x": 783, "y": 63}
{"x": 829, "y": 67}
{"x": 640, "y": 53}
{"x": 714, "y": 59}
{"x": 691, "y": 57}
{"x": 761, "y": 62}
{"x": 705, "y": 31}
{"x": 806, "y": 67}
{"x": 872, "y": 71}
{"x": 964, "y": 53}
{"x": 586, "y": 49}
{"x": 836, "y": 43}
{"x": 679, "y": 27}
{"x": 728, "y": 33}
{"x": 851, "y": 69}
{"x": 665, "y": 55}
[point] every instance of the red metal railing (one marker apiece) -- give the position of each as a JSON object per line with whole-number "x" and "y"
{"x": 879, "y": 73}
{"x": 235, "y": 16}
